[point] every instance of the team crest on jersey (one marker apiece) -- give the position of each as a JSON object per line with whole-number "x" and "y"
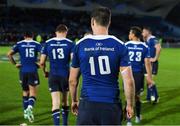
{"x": 99, "y": 44}
{"x": 135, "y": 46}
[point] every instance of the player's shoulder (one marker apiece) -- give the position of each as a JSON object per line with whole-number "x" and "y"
{"x": 59, "y": 39}
{"x": 136, "y": 43}
{"x": 20, "y": 42}
{"x": 35, "y": 42}
{"x": 99, "y": 37}
{"x": 152, "y": 38}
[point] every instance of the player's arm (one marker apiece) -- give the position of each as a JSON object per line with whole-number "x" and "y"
{"x": 73, "y": 86}
{"x": 43, "y": 64}
{"x": 10, "y": 56}
{"x": 129, "y": 89}
{"x": 158, "y": 51}
{"x": 148, "y": 70}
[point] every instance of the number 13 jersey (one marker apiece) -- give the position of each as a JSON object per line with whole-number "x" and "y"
{"x": 59, "y": 52}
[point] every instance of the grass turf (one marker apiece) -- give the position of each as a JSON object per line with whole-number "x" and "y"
{"x": 166, "y": 112}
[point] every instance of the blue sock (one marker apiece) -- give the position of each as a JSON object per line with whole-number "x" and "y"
{"x": 148, "y": 94}
{"x": 32, "y": 100}
{"x": 65, "y": 113}
{"x": 56, "y": 117}
{"x": 155, "y": 91}
{"x": 25, "y": 102}
{"x": 138, "y": 108}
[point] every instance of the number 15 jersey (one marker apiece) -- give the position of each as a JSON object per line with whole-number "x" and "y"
{"x": 99, "y": 58}
{"x": 59, "y": 52}
{"x": 28, "y": 52}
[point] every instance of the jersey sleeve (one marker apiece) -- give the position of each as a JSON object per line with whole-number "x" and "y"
{"x": 15, "y": 48}
{"x": 124, "y": 56}
{"x": 75, "y": 59}
{"x": 72, "y": 47}
{"x": 39, "y": 47}
{"x": 44, "y": 49}
{"x": 147, "y": 52}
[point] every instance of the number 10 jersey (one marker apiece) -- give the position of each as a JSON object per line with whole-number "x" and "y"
{"x": 99, "y": 58}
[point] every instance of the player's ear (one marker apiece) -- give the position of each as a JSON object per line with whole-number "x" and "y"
{"x": 92, "y": 22}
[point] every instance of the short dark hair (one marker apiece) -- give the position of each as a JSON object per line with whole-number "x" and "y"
{"x": 28, "y": 34}
{"x": 148, "y": 28}
{"x": 102, "y": 16}
{"x": 61, "y": 28}
{"x": 136, "y": 31}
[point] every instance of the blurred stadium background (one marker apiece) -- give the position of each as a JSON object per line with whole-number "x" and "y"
{"x": 42, "y": 16}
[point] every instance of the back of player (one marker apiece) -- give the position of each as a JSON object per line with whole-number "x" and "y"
{"x": 99, "y": 58}
{"x": 155, "y": 49}
{"x": 28, "y": 50}
{"x": 59, "y": 51}
{"x": 138, "y": 55}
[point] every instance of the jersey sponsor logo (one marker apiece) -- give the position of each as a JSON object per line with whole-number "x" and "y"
{"x": 58, "y": 44}
{"x": 99, "y": 44}
{"x": 99, "y": 49}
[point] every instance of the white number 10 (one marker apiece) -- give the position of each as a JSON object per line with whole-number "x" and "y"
{"x": 103, "y": 70}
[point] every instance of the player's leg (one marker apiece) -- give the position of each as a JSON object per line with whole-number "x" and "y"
{"x": 65, "y": 108}
{"x": 25, "y": 92}
{"x": 65, "y": 100}
{"x": 55, "y": 107}
{"x": 32, "y": 95}
{"x": 155, "y": 66}
{"x": 33, "y": 81}
{"x": 54, "y": 88}
{"x": 139, "y": 79}
{"x": 152, "y": 93}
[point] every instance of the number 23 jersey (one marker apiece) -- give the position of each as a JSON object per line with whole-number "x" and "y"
{"x": 138, "y": 51}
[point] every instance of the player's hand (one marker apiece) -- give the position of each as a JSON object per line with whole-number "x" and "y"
{"x": 18, "y": 65}
{"x": 153, "y": 59}
{"x": 130, "y": 111}
{"x": 74, "y": 108}
{"x": 46, "y": 74}
{"x": 149, "y": 80}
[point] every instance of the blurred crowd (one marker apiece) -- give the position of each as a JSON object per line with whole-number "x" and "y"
{"x": 42, "y": 22}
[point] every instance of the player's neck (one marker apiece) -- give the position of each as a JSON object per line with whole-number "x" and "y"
{"x": 100, "y": 31}
{"x": 136, "y": 39}
{"x": 60, "y": 36}
{"x": 28, "y": 39}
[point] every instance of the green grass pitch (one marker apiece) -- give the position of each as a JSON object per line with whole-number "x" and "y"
{"x": 166, "y": 112}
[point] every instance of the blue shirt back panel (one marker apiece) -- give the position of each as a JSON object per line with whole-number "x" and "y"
{"x": 138, "y": 51}
{"x": 59, "y": 53}
{"x": 151, "y": 42}
{"x": 99, "y": 58}
{"x": 28, "y": 51}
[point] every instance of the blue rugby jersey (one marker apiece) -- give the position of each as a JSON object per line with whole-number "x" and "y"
{"x": 138, "y": 51}
{"x": 151, "y": 42}
{"x": 99, "y": 58}
{"x": 28, "y": 51}
{"x": 59, "y": 52}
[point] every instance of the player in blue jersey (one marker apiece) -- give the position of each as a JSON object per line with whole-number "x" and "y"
{"x": 155, "y": 49}
{"x": 28, "y": 50}
{"x": 139, "y": 56}
{"x": 99, "y": 58}
{"x": 59, "y": 50}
